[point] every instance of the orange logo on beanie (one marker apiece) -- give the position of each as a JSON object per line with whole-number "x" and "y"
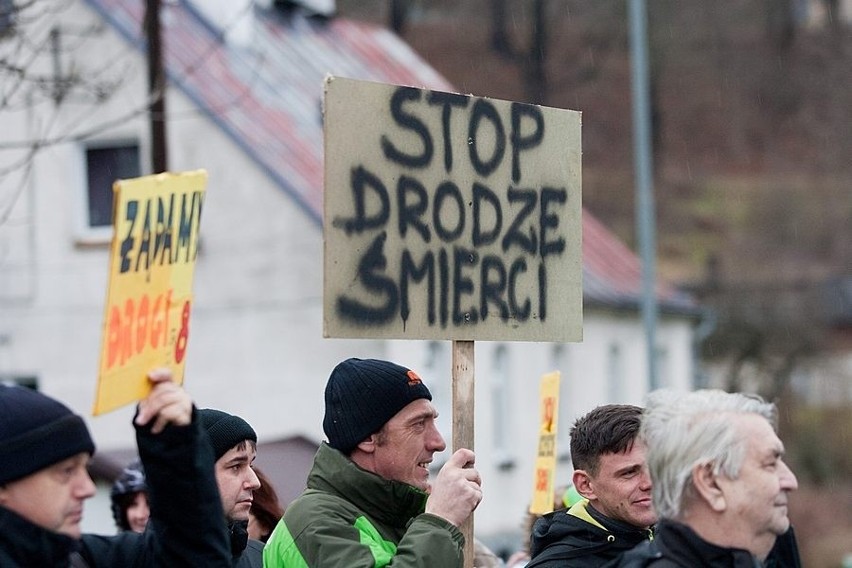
{"x": 413, "y": 378}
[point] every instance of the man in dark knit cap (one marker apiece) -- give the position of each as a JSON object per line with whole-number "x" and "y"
{"x": 234, "y": 445}
{"x": 44, "y": 450}
{"x": 369, "y": 502}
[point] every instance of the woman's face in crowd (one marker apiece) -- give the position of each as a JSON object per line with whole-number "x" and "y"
{"x": 138, "y": 513}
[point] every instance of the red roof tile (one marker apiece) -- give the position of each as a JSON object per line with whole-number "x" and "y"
{"x": 266, "y": 98}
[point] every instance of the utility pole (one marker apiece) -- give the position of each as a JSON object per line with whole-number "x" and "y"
{"x": 156, "y": 88}
{"x": 642, "y": 150}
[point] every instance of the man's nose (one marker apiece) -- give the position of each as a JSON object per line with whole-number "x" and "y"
{"x": 85, "y": 487}
{"x": 788, "y": 478}
{"x": 435, "y": 441}
{"x": 252, "y": 482}
{"x": 645, "y": 479}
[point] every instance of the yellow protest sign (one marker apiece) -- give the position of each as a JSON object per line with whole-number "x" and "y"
{"x": 545, "y": 463}
{"x": 152, "y": 261}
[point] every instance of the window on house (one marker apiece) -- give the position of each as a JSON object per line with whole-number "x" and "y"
{"x": 663, "y": 368}
{"x": 562, "y": 363}
{"x": 104, "y": 165}
{"x": 500, "y": 413}
{"x": 615, "y": 373}
{"x": 7, "y": 16}
{"x": 438, "y": 369}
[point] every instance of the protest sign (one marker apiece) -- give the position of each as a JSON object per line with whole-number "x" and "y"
{"x": 545, "y": 462}
{"x": 152, "y": 261}
{"x": 450, "y": 216}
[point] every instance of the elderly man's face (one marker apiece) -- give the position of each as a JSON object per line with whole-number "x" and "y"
{"x": 757, "y": 500}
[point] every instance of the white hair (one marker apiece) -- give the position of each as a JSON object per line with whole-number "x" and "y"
{"x": 685, "y": 430}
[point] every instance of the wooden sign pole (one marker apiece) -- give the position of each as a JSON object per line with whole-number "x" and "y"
{"x": 463, "y": 383}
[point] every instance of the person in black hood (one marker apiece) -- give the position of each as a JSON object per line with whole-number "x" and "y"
{"x": 234, "y": 448}
{"x": 129, "y": 498}
{"x": 610, "y": 474}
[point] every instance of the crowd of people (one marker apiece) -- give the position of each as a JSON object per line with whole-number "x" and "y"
{"x": 689, "y": 480}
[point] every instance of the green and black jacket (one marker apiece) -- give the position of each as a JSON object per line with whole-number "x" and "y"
{"x": 350, "y": 517}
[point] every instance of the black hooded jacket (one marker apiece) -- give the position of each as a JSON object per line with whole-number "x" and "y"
{"x": 185, "y": 528}
{"x": 579, "y": 537}
{"x": 678, "y": 546}
{"x": 246, "y": 552}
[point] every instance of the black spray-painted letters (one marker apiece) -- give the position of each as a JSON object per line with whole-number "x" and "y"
{"x": 477, "y": 230}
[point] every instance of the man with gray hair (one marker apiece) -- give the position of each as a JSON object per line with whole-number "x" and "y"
{"x": 720, "y": 484}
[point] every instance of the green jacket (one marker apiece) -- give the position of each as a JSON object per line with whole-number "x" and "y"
{"x": 350, "y": 517}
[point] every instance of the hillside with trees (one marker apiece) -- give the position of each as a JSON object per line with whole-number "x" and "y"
{"x": 752, "y": 109}
{"x": 752, "y": 115}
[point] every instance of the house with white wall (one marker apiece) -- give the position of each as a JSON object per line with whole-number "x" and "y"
{"x": 243, "y": 102}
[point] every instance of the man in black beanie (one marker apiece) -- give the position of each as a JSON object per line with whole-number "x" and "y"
{"x": 44, "y": 450}
{"x": 369, "y": 501}
{"x": 234, "y": 445}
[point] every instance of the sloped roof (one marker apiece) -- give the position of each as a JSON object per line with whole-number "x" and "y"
{"x": 266, "y": 98}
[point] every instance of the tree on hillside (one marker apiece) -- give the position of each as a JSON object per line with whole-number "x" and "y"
{"x": 536, "y": 71}
{"x": 500, "y": 42}
{"x": 781, "y": 23}
{"x": 398, "y": 15}
{"x": 775, "y": 312}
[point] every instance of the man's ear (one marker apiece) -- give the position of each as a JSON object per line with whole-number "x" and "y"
{"x": 584, "y": 484}
{"x": 368, "y": 444}
{"x": 707, "y": 487}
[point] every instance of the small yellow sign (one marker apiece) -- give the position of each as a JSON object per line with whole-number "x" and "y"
{"x": 152, "y": 262}
{"x": 545, "y": 463}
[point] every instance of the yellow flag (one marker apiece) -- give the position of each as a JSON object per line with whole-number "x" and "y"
{"x": 152, "y": 261}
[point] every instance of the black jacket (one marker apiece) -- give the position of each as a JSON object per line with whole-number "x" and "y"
{"x": 186, "y": 528}
{"x": 25, "y": 544}
{"x": 245, "y": 552}
{"x": 676, "y": 545}
{"x": 580, "y": 537}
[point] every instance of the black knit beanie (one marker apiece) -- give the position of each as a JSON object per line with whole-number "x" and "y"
{"x": 224, "y": 430}
{"x": 37, "y": 431}
{"x": 362, "y": 395}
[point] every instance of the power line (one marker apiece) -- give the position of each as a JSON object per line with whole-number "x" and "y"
{"x": 188, "y": 70}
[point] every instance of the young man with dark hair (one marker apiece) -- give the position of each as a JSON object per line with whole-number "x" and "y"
{"x": 610, "y": 473}
{"x": 234, "y": 444}
{"x": 44, "y": 450}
